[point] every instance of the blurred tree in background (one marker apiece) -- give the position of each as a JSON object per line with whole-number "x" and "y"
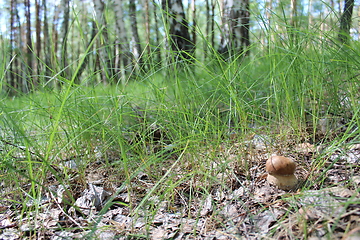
{"x": 235, "y": 25}
{"x": 48, "y": 43}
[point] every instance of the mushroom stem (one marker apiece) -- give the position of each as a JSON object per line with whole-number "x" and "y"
{"x": 283, "y": 182}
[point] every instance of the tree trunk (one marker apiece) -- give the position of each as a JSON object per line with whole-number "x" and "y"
{"x": 345, "y": 22}
{"x": 137, "y": 52}
{"x": 47, "y": 42}
{"x": 38, "y": 44}
{"x": 64, "y": 33}
{"x": 193, "y": 29}
{"x": 293, "y": 21}
{"x": 28, "y": 68}
{"x": 212, "y": 29}
{"x": 55, "y": 40}
{"x": 147, "y": 27}
{"x": 157, "y": 34}
{"x": 14, "y": 35}
{"x": 270, "y": 34}
{"x": 207, "y": 28}
{"x": 104, "y": 51}
{"x": 235, "y": 27}
{"x": 123, "y": 58}
{"x": 293, "y": 14}
{"x": 210, "y": 23}
{"x": 87, "y": 56}
{"x": 310, "y": 11}
{"x": 180, "y": 40}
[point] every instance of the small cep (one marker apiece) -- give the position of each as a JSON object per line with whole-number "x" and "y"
{"x": 281, "y": 172}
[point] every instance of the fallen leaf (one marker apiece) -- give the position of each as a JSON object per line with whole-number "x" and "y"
{"x": 207, "y": 206}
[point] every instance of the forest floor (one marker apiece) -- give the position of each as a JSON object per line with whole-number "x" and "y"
{"x": 239, "y": 205}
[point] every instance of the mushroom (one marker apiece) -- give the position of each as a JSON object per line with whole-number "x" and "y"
{"x": 281, "y": 172}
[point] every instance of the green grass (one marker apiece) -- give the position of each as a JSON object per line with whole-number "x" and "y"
{"x": 282, "y": 93}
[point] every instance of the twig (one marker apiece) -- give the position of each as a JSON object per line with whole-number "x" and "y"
{"x": 38, "y": 157}
{"x": 62, "y": 210}
{"x": 19, "y": 147}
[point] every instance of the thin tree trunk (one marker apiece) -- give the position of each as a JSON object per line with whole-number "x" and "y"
{"x": 293, "y": 15}
{"x": 270, "y": 33}
{"x": 13, "y": 72}
{"x": 147, "y": 27}
{"x": 38, "y": 44}
{"x": 157, "y": 34}
{"x": 293, "y": 20}
{"x": 47, "y": 42}
{"x": 210, "y": 23}
{"x": 310, "y": 11}
{"x": 345, "y": 22}
{"x": 193, "y": 30}
{"x": 55, "y": 40}
{"x": 122, "y": 41}
{"x": 235, "y": 27}
{"x": 64, "y": 33}
{"x": 105, "y": 51}
{"x": 340, "y": 5}
{"x": 180, "y": 40}
{"x": 28, "y": 69}
{"x": 212, "y": 29}
{"x": 86, "y": 60}
{"x": 207, "y": 28}
{"x": 135, "y": 34}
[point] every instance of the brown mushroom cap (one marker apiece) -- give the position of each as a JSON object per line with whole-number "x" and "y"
{"x": 281, "y": 172}
{"x": 279, "y": 165}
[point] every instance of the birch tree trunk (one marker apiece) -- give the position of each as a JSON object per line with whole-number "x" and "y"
{"x": 137, "y": 52}
{"x": 104, "y": 51}
{"x": 293, "y": 14}
{"x": 293, "y": 21}
{"x": 123, "y": 55}
{"x": 235, "y": 27}
{"x": 310, "y": 13}
{"x": 180, "y": 40}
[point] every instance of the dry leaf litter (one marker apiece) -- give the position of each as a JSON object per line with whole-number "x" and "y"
{"x": 241, "y": 205}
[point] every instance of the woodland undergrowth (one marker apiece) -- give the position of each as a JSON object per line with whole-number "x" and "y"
{"x": 168, "y": 138}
